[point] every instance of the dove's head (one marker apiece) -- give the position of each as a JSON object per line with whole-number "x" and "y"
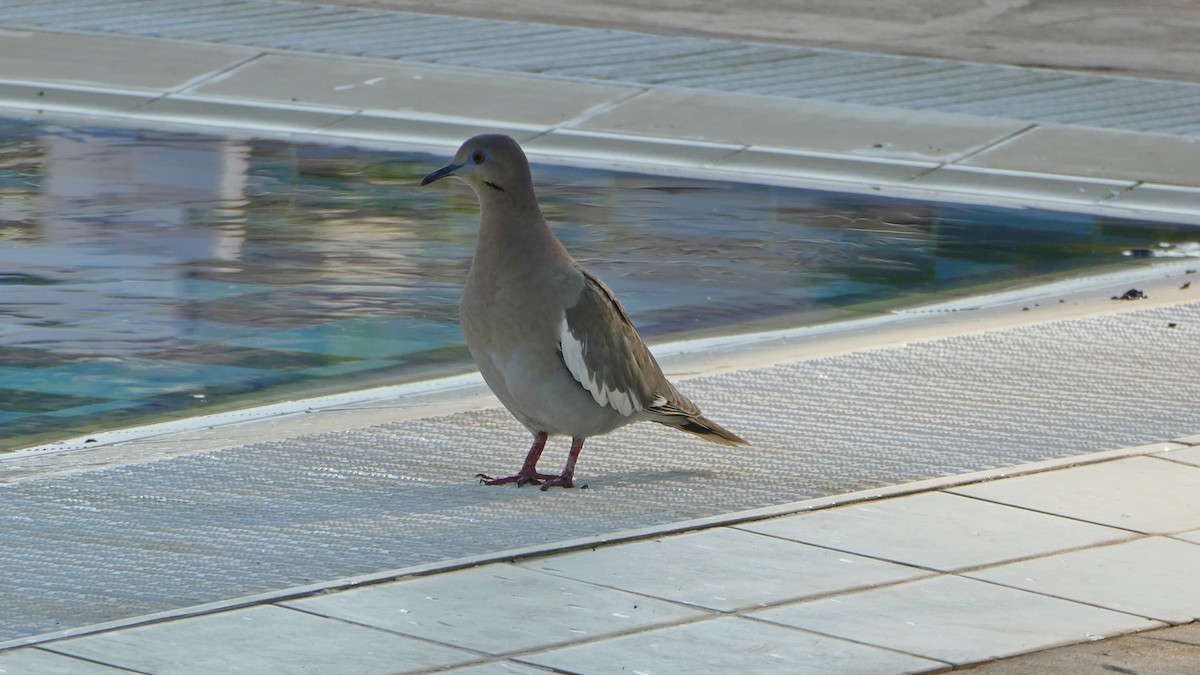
{"x": 489, "y": 163}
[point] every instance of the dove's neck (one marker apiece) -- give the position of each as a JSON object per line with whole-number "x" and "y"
{"x": 512, "y": 229}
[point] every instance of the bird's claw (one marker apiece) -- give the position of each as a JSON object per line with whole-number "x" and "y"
{"x": 521, "y": 479}
{"x": 557, "y": 481}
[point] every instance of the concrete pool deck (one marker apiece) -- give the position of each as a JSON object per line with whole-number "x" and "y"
{"x": 893, "y": 576}
{"x": 926, "y": 581}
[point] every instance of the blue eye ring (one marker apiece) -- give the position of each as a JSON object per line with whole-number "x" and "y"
{"x": 478, "y": 157}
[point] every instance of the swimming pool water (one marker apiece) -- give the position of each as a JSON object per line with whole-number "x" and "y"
{"x": 148, "y": 274}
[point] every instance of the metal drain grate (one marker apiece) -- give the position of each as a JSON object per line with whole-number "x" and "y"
{"x": 628, "y": 57}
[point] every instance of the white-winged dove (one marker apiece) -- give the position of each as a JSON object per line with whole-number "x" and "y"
{"x": 549, "y": 337}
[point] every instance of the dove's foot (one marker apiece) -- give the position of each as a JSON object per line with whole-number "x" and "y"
{"x": 529, "y": 474}
{"x": 559, "y": 481}
{"x": 521, "y": 479}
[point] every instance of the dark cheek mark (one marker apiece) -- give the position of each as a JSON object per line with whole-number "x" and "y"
{"x": 493, "y": 185}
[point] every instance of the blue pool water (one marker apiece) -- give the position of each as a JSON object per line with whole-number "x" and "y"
{"x": 146, "y": 274}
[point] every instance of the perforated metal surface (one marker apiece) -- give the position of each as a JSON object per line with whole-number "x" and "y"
{"x": 622, "y": 56}
{"x": 122, "y": 541}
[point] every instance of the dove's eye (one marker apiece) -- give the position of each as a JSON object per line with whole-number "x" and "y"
{"x": 478, "y": 157}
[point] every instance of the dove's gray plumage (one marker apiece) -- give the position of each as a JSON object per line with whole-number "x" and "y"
{"x": 549, "y": 337}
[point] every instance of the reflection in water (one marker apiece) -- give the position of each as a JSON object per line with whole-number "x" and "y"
{"x": 119, "y": 217}
{"x": 145, "y": 274}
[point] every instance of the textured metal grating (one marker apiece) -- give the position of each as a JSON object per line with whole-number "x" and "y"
{"x": 101, "y": 544}
{"x": 628, "y": 57}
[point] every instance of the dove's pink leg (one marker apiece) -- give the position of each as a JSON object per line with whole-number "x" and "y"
{"x": 528, "y": 473}
{"x": 564, "y": 479}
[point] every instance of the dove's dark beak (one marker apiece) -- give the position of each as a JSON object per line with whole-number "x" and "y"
{"x": 447, "y": 170}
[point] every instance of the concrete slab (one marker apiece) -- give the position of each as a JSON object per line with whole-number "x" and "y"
{"x": 442, "y": 131}
{"x": 623, "y": 148}
{"x": 802, "y": 125}
{"x": 260, "y": 640}
{"x": 1160, "y": 652}
{"x": 1188, "y": 634}
{"x": 1099, "y": 153}
{"x": 181, "y": 109}
{"x": 360, "y": 85}
{"x": 42, "y": 98}
{"x": 1193, "y": 536}
{"x": 1149, "y": 577}
{"x": 954, "y": 619}
{"x": 709, "y": 569}
{"x": 498, "y": 609}
{"x": 113, "y": 62}
{"x": 916, "y": 530}
{"x": 979, "y": 181}
{"x": 1152, "y": 197}
{"x": 729, "y": 645}
{"x": 1142, "y": 494}
{"x": 759, "y": 161}
{"x": 1186, "y": 455}
{"x": 498, "y": 668}
{"x": 48, "y": 663}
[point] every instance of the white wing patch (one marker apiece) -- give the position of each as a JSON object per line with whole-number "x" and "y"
{"x": 572, "y": 354}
